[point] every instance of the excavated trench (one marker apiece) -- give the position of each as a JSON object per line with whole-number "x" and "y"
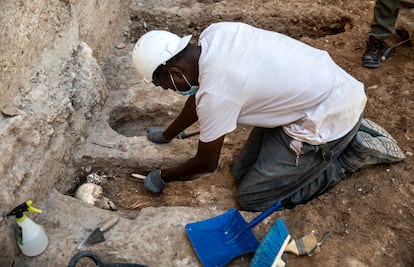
{"x": 130, "y": 111}
{"x": 132, "y": 121}
{"x": 363, "y": 209}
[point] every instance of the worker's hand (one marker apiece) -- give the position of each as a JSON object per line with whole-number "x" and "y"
{"x": 155, "y": 134}
{"x": 153, "y": 182}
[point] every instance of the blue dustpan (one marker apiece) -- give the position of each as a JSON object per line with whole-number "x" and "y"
{"x": 218, "y": 240}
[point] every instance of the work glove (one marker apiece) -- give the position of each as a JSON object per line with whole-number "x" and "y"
{"x": 154, "y": 134}
{"x": 153, "y": 182}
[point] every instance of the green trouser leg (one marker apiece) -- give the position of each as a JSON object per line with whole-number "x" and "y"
{"x": 385, "y": 16}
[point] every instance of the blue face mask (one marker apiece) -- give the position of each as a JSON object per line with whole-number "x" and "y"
{"x": 193, "y": 88}
{"x": 192, "y": 91}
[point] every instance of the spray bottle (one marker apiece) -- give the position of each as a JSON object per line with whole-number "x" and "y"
{"x": 31, "y": 238}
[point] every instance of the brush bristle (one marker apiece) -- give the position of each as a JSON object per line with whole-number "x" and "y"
{"x": 271, "y": 244}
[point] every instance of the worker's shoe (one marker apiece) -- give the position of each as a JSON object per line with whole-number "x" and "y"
{"x": 371, "y": 145}
{"x": 373, "y": 52}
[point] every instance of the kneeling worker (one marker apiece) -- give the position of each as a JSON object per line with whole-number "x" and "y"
{"x": 307, "y": 112}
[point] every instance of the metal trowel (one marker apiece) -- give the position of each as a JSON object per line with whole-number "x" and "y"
{"x": 97, "y": 236}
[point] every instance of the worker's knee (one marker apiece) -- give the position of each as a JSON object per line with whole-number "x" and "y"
{"x": 253, "y": 201}
{"x": 238, "y": 171}
{"x": 247, "y": 204}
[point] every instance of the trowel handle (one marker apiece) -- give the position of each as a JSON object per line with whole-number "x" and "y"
{"x": 183, "y": 134}
{"x": 387, "y": 52}
{"x": 109, "y": 223}
{"x": 264, "y": 214}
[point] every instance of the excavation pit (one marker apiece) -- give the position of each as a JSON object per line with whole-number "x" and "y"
{"x": 118, "y": 147}
{"x": 132, "y": 121}
{"x": 145, "y": 106}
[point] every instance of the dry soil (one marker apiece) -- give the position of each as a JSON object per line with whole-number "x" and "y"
{"x": 370, "y": 214}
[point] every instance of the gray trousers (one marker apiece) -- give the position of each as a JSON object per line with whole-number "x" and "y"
{"x": 268, "y": 170}
{"x": 385, "y": 16}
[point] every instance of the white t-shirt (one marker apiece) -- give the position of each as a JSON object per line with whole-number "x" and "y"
{"x": 260, "y": 78}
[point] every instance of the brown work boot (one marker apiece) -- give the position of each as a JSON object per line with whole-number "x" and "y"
{"x": 373, "y": 52}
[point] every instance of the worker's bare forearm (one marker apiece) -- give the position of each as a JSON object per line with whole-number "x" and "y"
{"x": 186, "y": 118}
{"x": 187, "y": 171}
{"x": 205, "y": 161}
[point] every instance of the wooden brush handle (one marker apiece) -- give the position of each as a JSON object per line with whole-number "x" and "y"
{"x": 109, "y": 223}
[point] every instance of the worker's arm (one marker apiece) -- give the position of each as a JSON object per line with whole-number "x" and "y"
{"x": 206, "y": 160}
{"x": 186, "y": 118}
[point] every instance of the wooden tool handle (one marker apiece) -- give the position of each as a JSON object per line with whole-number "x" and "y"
{"x": 109, "y": 223}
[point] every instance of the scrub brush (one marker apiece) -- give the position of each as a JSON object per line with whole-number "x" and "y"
{"x": 270, "y": 250}
{"x": 306, "y": 245}
{"x": 302, "y": 245}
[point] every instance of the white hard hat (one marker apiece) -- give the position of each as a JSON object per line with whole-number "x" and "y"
{"x": 155, "y": 48}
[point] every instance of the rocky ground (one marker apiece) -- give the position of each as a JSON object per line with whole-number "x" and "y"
{"x": 370, "y": 214}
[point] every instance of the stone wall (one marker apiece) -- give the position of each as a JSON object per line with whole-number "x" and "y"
{"x": 51, "y": 90}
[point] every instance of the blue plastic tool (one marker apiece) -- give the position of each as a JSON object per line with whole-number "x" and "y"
{"x": 218, "y": 240}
